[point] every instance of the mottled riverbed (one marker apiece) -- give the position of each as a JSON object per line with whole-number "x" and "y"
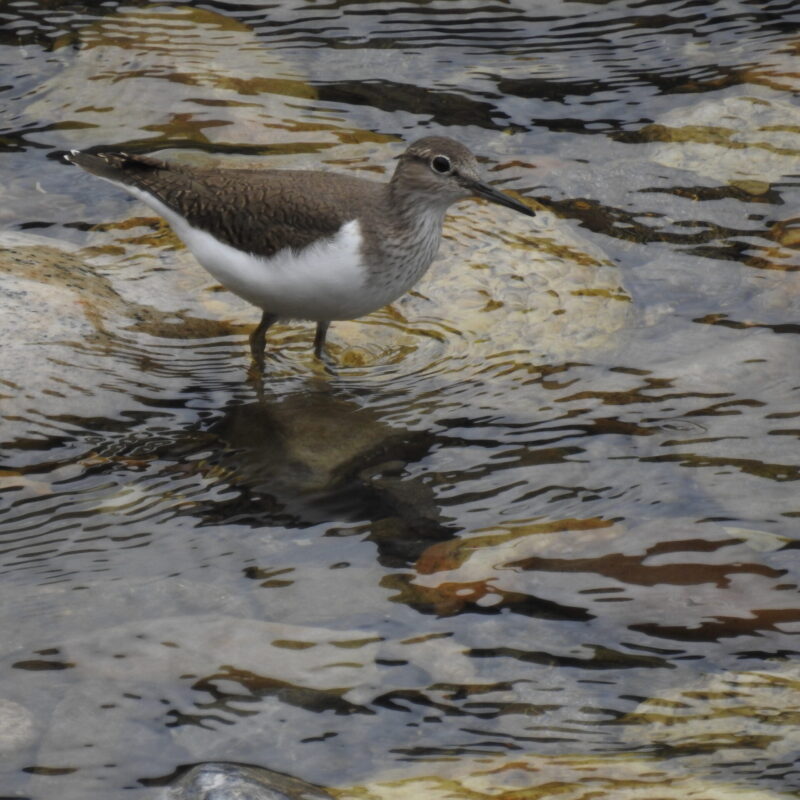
{"x": 533, "y": 530}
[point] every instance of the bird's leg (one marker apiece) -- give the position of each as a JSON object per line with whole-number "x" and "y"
{"x": 319, "y": 338}
{"x": 258, "y": 338}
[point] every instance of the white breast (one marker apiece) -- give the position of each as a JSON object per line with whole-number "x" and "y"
{"x": 325, "y": 281}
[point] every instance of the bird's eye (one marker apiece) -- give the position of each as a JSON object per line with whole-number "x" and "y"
{"x": 441, "y": 164}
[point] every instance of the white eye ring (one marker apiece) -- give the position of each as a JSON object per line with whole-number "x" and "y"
{"x": 441, "y": 164}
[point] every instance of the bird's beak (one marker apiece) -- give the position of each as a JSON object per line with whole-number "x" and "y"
{"x": 491, "y": 194}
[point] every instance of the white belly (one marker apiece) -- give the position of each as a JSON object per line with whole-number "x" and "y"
{"x": 325, "y": 281}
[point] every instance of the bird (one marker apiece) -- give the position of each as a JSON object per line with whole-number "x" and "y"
{"x": 307, "y": 244}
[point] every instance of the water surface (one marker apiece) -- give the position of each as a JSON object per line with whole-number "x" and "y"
{"x": 536, "y": 527}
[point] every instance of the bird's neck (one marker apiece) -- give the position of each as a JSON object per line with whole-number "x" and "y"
{"x": 414, "y": 210}
{"x": 415, "y": 218}
{"x": 409, "y": 239}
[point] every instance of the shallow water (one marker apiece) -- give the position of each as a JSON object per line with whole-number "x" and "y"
{"x": 535, "y": 528}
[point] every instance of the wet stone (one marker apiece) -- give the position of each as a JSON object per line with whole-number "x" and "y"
{"x": 221, "y": 781}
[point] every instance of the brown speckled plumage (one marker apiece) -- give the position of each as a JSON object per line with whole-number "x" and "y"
{"x": 260, "y": 211}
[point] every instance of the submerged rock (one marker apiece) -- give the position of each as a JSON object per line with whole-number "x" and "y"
{"x": 747, "y": 142}
{"x": 510, "y": 282}
{"x": 570, "y": 777}
{"x": 223, "y": 781}
{"x": 744, "y": 716}
{"x": 190, "y": 73}
{"x": 68, "y": 338}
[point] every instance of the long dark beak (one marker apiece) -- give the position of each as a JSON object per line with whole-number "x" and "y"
{"x": 493, "y": 196}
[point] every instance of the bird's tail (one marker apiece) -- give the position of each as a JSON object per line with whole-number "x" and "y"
{"x": 113, "y": 166}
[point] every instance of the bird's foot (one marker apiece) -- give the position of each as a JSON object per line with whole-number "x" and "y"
{"x": 319, "y": 338}
{"x": 258, "y": 341}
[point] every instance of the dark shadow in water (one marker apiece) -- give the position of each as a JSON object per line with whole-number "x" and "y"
{"x": 444, "y": 108}
{"x": 305, "y": 458}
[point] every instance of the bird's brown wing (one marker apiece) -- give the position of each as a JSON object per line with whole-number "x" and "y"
{"x": 259, "y": 211}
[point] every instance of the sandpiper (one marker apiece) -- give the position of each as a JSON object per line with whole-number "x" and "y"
{"x": 307, "y": 244}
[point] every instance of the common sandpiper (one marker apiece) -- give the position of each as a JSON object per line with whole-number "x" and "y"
{"x": 307, "y": 244}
